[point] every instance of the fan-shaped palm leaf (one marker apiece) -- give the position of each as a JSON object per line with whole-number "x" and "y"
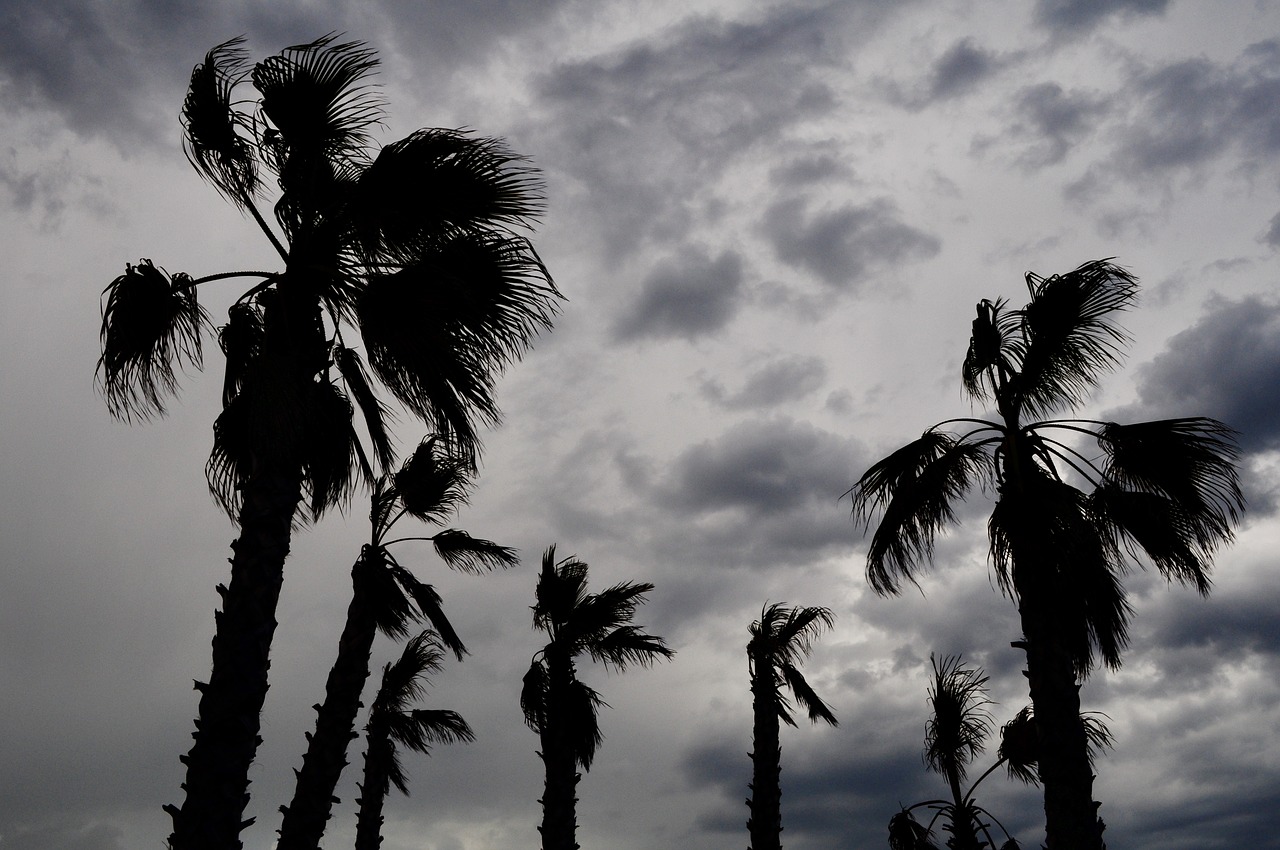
{"x": 958, "y": 726}
{"x": 460, "y": 551}
{"x": 433, "y": 482}
{"x": 214, "y": 139}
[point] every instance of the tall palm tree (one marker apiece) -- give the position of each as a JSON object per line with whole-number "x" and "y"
{"x": 386, "y": 597}
{"x": 779, "y": 640}
{"x": 1066, "y": 524}
{"x": 392, "y": 723}
{"x": 411, "y": 247}
{"x": 556, "y": 704}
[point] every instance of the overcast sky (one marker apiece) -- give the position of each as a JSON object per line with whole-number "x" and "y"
{"x": 771, "y": 222}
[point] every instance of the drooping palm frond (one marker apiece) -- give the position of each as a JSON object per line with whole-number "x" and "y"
{"x": 959, "y": 723}
{"x": 1154, "y": 525}
{"x": 582, "y": 717}
{"x": 561, "y": 586}
{"x": 214, "y": 140}
{"x": 435, "y": 181}
{"x": 460, "y": 551}
{"x": 433, "y": 482}
{"x": 1191, "y": 461}
{"x": 795, "y": 629}
{"x": 241, "y": 342}
{"x": 906, "y": 833}
{"x": 1020, "y": 743}
{"x": 995, "y": 348}
{"x": 429, "y": 606}
{"x": 150, "y": 322}
{"x": 376, "y": 580}
{"x": 780, "y": 639}
{"x": 915, "y": 487}
{"x": 533, "y": 696}
{"x": 627, "y": 645}
{"x": 374, "y": 412}
{"x": 807, "y": 697}
{"x": 1071, "y": 334}
{"x": 596, "y": 615}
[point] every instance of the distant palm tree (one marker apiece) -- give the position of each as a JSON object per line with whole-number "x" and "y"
{"x": 386, "y": 597}
{"x": 1065, "y": 525}
{"x": 779, "y": 640}
{"x": 393, "y": 722}
{"x": 556, "y": 704}
{"x": 411, "y": 248}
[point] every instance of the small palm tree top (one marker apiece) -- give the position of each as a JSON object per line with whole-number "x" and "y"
{"x": 780, "y": 640}
{"x": 959, "y": 723}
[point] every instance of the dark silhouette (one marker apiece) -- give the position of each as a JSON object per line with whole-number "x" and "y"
{"x": 1167, "y": 489}
{"x": 779, "y": 640}
{"x": 955, "y": 735}
{"x": 386, "y": 597}
{"x": 556, "y": 704}
{"x": 412, "y": 248}
{"x": 392, "y": 722}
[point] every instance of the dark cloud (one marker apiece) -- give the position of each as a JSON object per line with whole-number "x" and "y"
{"x": 781, "y": 380}
{"x": 689, "y": 296}
{"x": 1052, "y": 122}
{"x": 1078, "y": 16}
{"x": 1226, "y": 366}
{"x": 960, "y": 69}
{"x": 1272, "y": 236}
{"x": 843, "y": 245}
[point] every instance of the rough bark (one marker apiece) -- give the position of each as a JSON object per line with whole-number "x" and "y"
{"x": 559, "y": 758}
{"x": 226, "y": 734}
{"x": 307, "y": 815}
{"x": 369, "y": 814}
{"x": 765, "y": 824}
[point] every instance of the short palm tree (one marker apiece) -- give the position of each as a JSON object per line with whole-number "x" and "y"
{"x": 411, "y": 247}
{"x": 779, "y": 640}
{"x": 394, "y": 723}
{"x": 386, "y": 597}
{"x": 1065, "y": 525}
{"x": 557, "y": 705}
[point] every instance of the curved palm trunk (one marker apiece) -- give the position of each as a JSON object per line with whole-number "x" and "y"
{"x": 308, "y": 813}
{"x": 559, "y": 796}
{"x": 226, "y": 735}
{"x": 376, "y": 772}
{"x": 765, "y": 824}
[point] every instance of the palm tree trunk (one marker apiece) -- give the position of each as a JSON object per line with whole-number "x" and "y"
{"x": 765, "y": 824}
{"x": 1071, "y": 813}
{"x": 226, "y": 735}
{"x": 369, "y": 813}
{"x": 559, "y": 796}
{"x": 308, "y": 813}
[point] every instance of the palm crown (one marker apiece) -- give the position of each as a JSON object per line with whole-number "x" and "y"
{"x": 780, "y": 639}
{"x": 412, "y": 247}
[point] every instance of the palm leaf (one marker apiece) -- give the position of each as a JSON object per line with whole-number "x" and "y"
{"x": 906, "y": 833}
{"x": 213, "y": 139}
{"x": 429, "y": 604}
{"x": 375, "y": 573}
{"x": 561, "y": 587}
{"x": 533, "y": 696}
{"x": 150, "y": 321}
{"x": 596, "y": 615}
{"x": 807, "y": 697}
{"x": 959, "y": 724}
{"x": 581, "y": 706}
{"x": 438, "y": 181}
{"x": 374, "y": 411}
{"x": 460, "y": 551}
{"x": 1156, "y": 525}
{"x": 994, "y": 348}
{"x": 915, "y": 487}
{"x": 628, "y": 645}
{"x": 1071, "y": 335}
{"x": 432, "y": 483}
{"x": 1020, "y": 747}
{"x": 794, "y": 634}
{"x": 241, "y": 341}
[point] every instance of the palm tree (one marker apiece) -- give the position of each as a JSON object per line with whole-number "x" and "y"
{"x": 412, "y": 247}
{"x": 779, "y": 640}
{"x": 386, "y": 597}
{"x": 556, "y": 704}
{"x": 1065, "y": 525}
{"x": 392, "y": 722}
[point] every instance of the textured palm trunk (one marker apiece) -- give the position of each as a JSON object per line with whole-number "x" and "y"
{"x": 559, "y": 827}
{"x": 764, "y": 827}
{"x": 307, "y": 815}
{"x": 226, "y": 735}
{"x": 369, "y": 812}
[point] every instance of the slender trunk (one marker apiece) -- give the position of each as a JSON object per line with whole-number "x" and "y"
{"x": 226, "y": 734}
{"x": 765, "y": 824}
{"x": 373, "y": 791}
{"x": 308, "y": 813}
{"x": 559, "y": 796}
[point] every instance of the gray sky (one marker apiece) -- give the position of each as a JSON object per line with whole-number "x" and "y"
{"x": 771, "y": 221}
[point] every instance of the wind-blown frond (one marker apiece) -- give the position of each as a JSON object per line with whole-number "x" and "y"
{"x": 432, "y": 483}
{"x": 461, "y": 551}
{"x": 627, "y": 645}
{"x": 1071, "y": 333}
{"x": 214, "y": 139}
{"x": 430, "y": 606}
{"x": 438, "y": 181}
{"x": 150, "y": 321}
{"x": 582, "y": 709}
{"x": 1020, "y": 743}
{"x": 241, "y": 342}
{"x": 916, "y": 487}
{"x": 807, "y": 697}
{"x": 373, "y": 410}
{"x": 376, "y": 579}
{"x": 994, "y": 348}
{"x": 1156, "y": 525}
{"x": 906, "y": 833}
{"x": 957, "y": 729}
{"x": 533, "y": 696}
{"x": 561, "y": 587}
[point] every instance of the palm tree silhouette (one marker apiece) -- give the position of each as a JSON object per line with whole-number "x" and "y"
{"x": 779, "y": 640}
{"x": 556, "y": 704}
{"x": 393, "y": 722}
{"x": 1065, "y": 525}
{"x": 413, "y": 248}
{"x": 386, "y": 597}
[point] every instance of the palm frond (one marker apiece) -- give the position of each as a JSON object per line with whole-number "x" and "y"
{"x": 420, "y": 728}
{"x": 561, "y": 587}
{"x": 582, "y": 717}
{"x": 436, "y": 181}
{"x": 150, "y": 322}
{"x": 1156, "y": 525}
{"x": 430, "y": 606}
{"x": 439, "y": 331}
{"x": 1191, "y": 461}
{"x": 432, "y": 483}
{"x": 241, "y": 342}
{"x": 533, "y": 696}
{"x": 460, "y": 551}
{"x": 376, "y": 579}
{"x": 375, "y": 413}
{"x": 330, "y": 456}
{"x": 628, "y": 645}
{"x": 957, "y": 729}
{"x": 316, "y": 98}
{"x": 214, "y": 139}
{"x": 906, "y": 833}
{"x": 1020, "y": 747}
{"x": 994, "y": 347}
{"x": 597, "y": 614}
{"x": 915, "y": 488}
{"x": 794, "y": 635}
{"x": 806, "y": 696}
{"x": 1072, "y": 337}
